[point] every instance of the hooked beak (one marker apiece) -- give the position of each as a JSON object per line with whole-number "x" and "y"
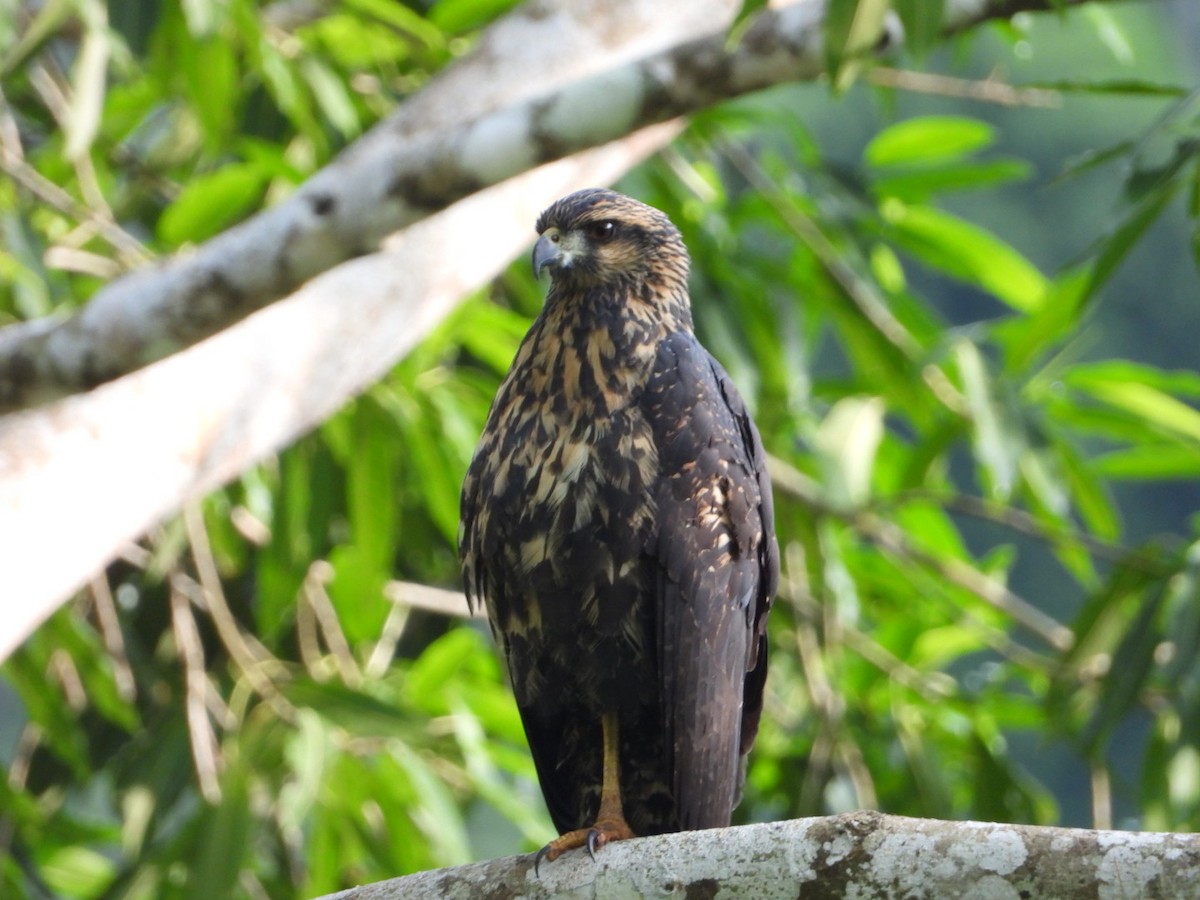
{"x": 545, "y": 253}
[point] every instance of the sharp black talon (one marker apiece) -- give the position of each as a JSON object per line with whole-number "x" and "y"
{"x": 537, "y": 860}
{"x": 592, "y": 841}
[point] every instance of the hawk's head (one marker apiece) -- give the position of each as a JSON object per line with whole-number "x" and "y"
{"x": 597, "y": 237}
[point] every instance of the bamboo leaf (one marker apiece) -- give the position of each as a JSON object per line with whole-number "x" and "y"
{"x": 922, "y": 21}
{"x": 88, "y": 81}
{"x": 967, "y": 251}
{"x": 852, "y": 28}
{"x": 997, "y": 447}
{"x": 928, "y": 139}
{"x": 1149, "y": 403}
{"x": 211, "y": 203}
{"x": 1153, "y": 462}
{"x": 848, "y": 439}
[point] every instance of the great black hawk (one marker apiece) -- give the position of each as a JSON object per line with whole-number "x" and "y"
{"x": 617, "y": 523}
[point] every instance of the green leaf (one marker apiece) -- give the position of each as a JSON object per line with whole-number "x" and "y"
{"x": 1111, "y": 33}
{"x": 928, "y": 139}
{"x": 210, "y": 77}
{"x": 1119, "y": 87}
{"x": 454, "y": 652}
{"x": 1148, "y": 180}
{"x": 486, "y": 776}
{"x": 332, "y": 96}
{"x": 435, "y": 811}
{"x": 930, "y": 528}
{"x": 1156, "y": 462}
{"x": 307, "y": 753}
{"x": 848, "y": 440}
{"x": 459, "y": 16}
{"x": 935, "y": 648}
{"x": 852, "y": 29}
{"x": 44, "y": 704}
{"x": 223, "y": 840}
{"x": 371, "y": 467}
{"x": 1131, "y": 665}
{"x": 282, "y": 80}
{"x": 966, "y": 251}
{"x": 1089, "y": 495}
{"x": 203, "y": 16}
{"x": 76, "y": 872}
{"x": 1183, "y": 777}
{"x": 745, "y": 17}
{"x": 363, "y": 563}
{"x": 305, "y": 495}
{"x": 211, "y": 203}
{"x": 997, "y": 447}
{"x": 1183, "y": 382}
{"x": 88, "y": 80}
{"x": 1044, "y": 483}
{"x": 360, "y": 714}
{"x": 356, "y": 591}
{"x": 1149, "y": 403}
{"x": 1106, "y": 616}
{"x": 922, "y": 20}
{"x": 1093, "y": 158}
{"x": 1027, "y": 339}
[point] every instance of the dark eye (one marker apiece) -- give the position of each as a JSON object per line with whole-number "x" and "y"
{"x": 602, "y": 231}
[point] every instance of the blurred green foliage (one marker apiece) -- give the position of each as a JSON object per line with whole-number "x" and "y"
{"x": 969, "y": 625}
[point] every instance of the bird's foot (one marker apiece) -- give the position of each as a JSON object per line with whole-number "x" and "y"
{"x": 603, "y": 832}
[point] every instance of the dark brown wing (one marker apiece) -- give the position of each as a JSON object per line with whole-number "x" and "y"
{"x": 718, "y": 569}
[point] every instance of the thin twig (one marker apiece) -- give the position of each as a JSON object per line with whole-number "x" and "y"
{"x": 1101, "y": 785}
{"x": 203, "y": 739}
{"x": 385, "y": 648}
{"x": 10, "y": 132}
{"x": 307, "y": 642}
{"x": 243, "y": 648}
{"x": 66, "y": 673}
{"x": 854, "y": 761}
{"x": 249, "y": 656}
{"x": 987, "y": 90}
{"x": 431, "y": 599}
{"x": 114, "y": 642}
{"x": 319, "y": 574}
{"x": 47, "y": 79}
{"x": 68, "y": 259}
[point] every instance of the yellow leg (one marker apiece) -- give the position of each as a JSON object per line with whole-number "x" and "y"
{"x": 610, "y": 820}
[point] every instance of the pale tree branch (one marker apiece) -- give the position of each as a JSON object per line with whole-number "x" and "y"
{"x": 407, "y": 168}
{"x": 83, "y": 476}
{"x": 396, "y": 176}
{"x": 862, "y": 854}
